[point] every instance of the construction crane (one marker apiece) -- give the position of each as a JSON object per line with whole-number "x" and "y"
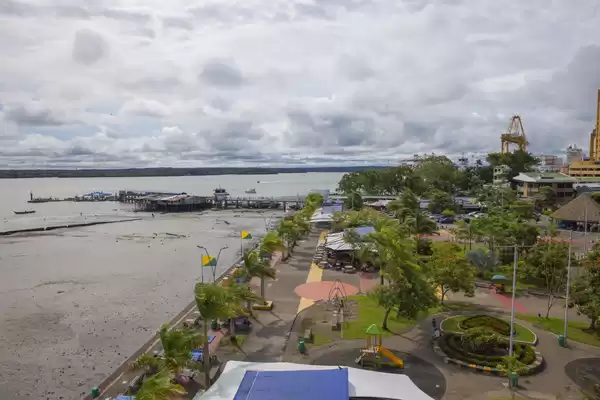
{"x": 594, "y": 142}
{"x": 515, "y": 135}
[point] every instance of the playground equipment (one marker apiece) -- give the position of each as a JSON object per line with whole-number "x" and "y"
{"x": 375, "y": 350}
{"x": 338, "y": 299}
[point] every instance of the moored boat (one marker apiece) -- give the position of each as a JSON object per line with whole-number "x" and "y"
{"x": 251, "y": 191}
{"x": 24, "y": 212}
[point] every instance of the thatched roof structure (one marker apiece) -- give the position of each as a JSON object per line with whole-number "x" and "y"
{"x": 585, "y": 207}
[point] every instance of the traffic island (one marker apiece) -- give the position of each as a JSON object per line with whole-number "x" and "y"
{"x": 266, "y": 306}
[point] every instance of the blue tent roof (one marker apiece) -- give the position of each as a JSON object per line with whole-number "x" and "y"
{"x": 329, "y": 384}
{"x": 364, "y": 230}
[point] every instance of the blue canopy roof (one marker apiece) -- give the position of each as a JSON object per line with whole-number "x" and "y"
{"x": 329, "y": 384}
{"x": 363, "y": 230}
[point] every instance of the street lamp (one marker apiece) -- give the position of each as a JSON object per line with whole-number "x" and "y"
{"x": 267, "y": 221}
{"x": 212, "y": 266}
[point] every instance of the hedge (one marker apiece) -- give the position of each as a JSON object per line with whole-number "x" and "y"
{"x": 500, "y": 326}
{"x": 452, "y": 346}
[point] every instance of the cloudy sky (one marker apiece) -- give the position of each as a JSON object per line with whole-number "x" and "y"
{"x": 228, "y": 82}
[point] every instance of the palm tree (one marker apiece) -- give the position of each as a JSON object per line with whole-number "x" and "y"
{"x": 255, "y": 267}
{"x": 177, "y": 345}
{"x": 289, "y": 234}
{"x": 270, "y": 244}
{"x": 213, "y": 302}
{"x": 160, "y": 387}
{"x": 420, "y": 224}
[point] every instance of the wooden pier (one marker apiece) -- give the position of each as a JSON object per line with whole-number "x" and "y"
{"x": 183, "y": 202}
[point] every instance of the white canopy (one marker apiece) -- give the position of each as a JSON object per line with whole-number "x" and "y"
{"x": 361, "y": 383}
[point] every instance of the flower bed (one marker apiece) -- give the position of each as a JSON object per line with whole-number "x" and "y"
{"x": 456, "y": 352}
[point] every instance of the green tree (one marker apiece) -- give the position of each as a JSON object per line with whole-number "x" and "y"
{"x": 523, "y": 210}
{"x": 177, "y": 345}
{"x": 546, "y": 262}
{"x": 289, "y": 233}
{"x": 546, "y": 199}
{"x": 213, "y": 302}
{"x": 437, "y": 172}
{"x": 518, "y": 161}
{"x": 353, "y": 201}
{"x": 586, "y": 295}
{"x": 314, "y": 200}
{"x": 407, "y": 292}
{"x": 407, "y": 205}
{"x": 256, "y": 267}
{"x": 482, "y": 261}
{"x": 440, "y": 201}
{"x": 450, "y": 272}
{"x": 160, "y": 387}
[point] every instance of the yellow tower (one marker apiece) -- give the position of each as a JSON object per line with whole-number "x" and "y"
{"x": 515, "y": 135}
{"x": 590, "y": 168}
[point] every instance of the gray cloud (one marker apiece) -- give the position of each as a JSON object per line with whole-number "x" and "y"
{"x": 88, "y": 47}
{"x": 176, "y": 83}
{"x": 33, "y": 116}
{"x": 221, "y": 73}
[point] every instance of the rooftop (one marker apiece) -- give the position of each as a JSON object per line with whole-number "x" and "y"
{"x": 267, "y": 381}
{"x": 544, "y": 177}
{"x": 583, "y": 208}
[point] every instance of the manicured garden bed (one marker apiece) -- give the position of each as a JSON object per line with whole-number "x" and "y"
{"x": 459, "y": 352}
{"x": 461, "y": 323}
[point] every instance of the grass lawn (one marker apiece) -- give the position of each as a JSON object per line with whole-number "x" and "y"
{"x": 523, "y": 334}
{"x": 576, "y": 330}
{"x": 370, "y": 313}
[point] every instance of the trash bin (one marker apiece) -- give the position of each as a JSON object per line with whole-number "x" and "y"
{"x": 95, "y": 392}
{"x": 562, "y": 341}
{"x": 301, "y": 346}
{"x": 214, "y": 324}
{"x": 513, "y": 379}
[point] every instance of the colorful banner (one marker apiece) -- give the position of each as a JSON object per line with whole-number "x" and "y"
{"x": 208, "y": 261}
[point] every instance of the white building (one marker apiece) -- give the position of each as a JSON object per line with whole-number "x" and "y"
{"x": 550, "y": 163}
{"x": 574, "y": 153}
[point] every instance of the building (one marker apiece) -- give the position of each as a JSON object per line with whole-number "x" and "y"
{"x": 530, "y": 183}
{"x": 500, "y": 175}
{"x": 574, "y": 154}
{"x": 591, "y": 167}
{"x": 549, "y": 163}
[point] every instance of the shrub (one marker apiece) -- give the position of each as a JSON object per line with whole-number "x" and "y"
{"x": 452, "y": 345}
{"x": 500, "y": 326}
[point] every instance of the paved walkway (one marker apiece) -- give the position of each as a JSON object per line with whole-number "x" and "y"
{"x": 271, "y": 329}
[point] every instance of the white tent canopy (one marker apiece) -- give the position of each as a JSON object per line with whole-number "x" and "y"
{"x": 361, "y": 383}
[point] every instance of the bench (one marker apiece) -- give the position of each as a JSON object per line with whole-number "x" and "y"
{"x": 308, "y": 335}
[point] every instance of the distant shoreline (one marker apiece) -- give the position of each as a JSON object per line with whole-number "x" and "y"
{"x": 165, "y": 172}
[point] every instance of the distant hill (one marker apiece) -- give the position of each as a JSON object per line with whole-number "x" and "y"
{"x": 135, "y": 172}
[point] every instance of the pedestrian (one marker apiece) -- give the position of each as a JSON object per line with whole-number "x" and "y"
{"x": 434, "y": 324}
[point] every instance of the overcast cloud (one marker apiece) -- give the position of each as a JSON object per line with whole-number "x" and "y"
{"x": 227, "y": 82}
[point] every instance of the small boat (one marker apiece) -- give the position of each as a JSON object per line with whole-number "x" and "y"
{"x": 220, "y": 194}
{"x": 251, "y": 191}
{"x": 24, "y": 212}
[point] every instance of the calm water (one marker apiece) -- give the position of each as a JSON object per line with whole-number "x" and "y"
{"x": 75, "y": 303}
{"x": 14, "y": 193}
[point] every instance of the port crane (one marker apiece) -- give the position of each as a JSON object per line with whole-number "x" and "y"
{"x": 594, "y": 142}
{"x": 514, "y": 135}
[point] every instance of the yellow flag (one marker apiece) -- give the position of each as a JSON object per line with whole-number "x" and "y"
{"x": 246, "y": 235}
{"x": 208, "y": 261}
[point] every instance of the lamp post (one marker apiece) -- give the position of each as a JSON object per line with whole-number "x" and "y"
{"x": 267, "y": 221}
{"x": 213, "y": 267}
{"x": 512, "y": 306}
{"x": 568, "y": 287}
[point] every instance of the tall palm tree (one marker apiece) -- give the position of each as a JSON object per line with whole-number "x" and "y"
{"x": 213, "y": 302}
{"x": 271, "y": 243}
{"x": 420, "y": 224}
{"x": 255, "y": 267}
{"x": 177, "y": 345}
{"x": 160, "y": 387}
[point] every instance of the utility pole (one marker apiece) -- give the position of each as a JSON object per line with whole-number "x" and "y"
{"x": 568, "y": 287}
{"x": 585, "y": 227}
{"x": 512, "y": 307}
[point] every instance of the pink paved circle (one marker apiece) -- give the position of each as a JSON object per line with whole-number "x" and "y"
{"x": 320, "y": 290}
